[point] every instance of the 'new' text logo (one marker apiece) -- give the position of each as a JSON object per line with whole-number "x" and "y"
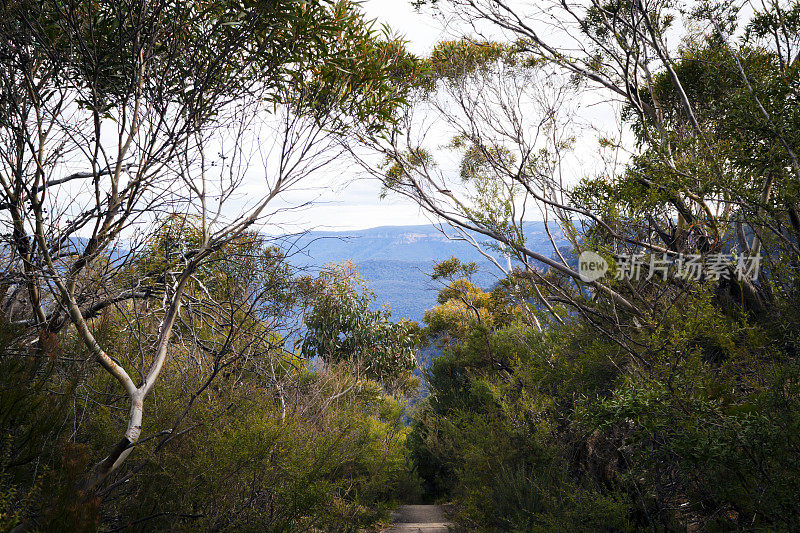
{"x": 591, "y": 266}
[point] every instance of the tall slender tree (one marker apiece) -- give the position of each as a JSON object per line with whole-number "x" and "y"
{"x": 118, "y": 113}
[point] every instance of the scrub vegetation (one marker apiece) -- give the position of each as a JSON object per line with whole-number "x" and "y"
{"x": 165, "y": 365}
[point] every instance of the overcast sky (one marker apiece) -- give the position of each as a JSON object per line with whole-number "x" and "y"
{"x": 343, "y": 198}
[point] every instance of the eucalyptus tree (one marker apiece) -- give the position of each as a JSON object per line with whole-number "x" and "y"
{"x": 116, "y": 115}
{"x": 705, "y": 158}
{"x": 341, "y": 328}
{"x": 646, "y": 404}
{"x": 510, "y": 121}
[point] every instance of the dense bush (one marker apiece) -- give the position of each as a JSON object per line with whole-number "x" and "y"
{"x": 562, "y": 430}
{"x": 243, "y": 435}
{"x": 328, "y": 466}
{"x": 236, "y": 461}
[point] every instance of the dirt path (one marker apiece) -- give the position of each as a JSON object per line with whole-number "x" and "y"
{"x": 419, "y": 518}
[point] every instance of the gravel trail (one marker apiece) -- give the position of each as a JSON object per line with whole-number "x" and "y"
{"x": 419, "y": 518}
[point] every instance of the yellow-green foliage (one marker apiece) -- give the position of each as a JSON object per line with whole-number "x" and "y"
{"x": 454, "y": 59}
{"x": 325, "y": 467}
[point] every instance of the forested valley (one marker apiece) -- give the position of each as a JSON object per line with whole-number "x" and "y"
{"x": 167, "y": 364}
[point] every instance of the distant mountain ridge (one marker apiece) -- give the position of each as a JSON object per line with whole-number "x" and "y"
{"x": 397, "y": 260}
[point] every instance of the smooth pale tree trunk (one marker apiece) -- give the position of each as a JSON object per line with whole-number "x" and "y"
{"x": 133, "y": 431}
{"x": 122, "y": 450}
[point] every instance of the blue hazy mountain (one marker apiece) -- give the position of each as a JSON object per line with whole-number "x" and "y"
{"x": 397, "y": 260}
